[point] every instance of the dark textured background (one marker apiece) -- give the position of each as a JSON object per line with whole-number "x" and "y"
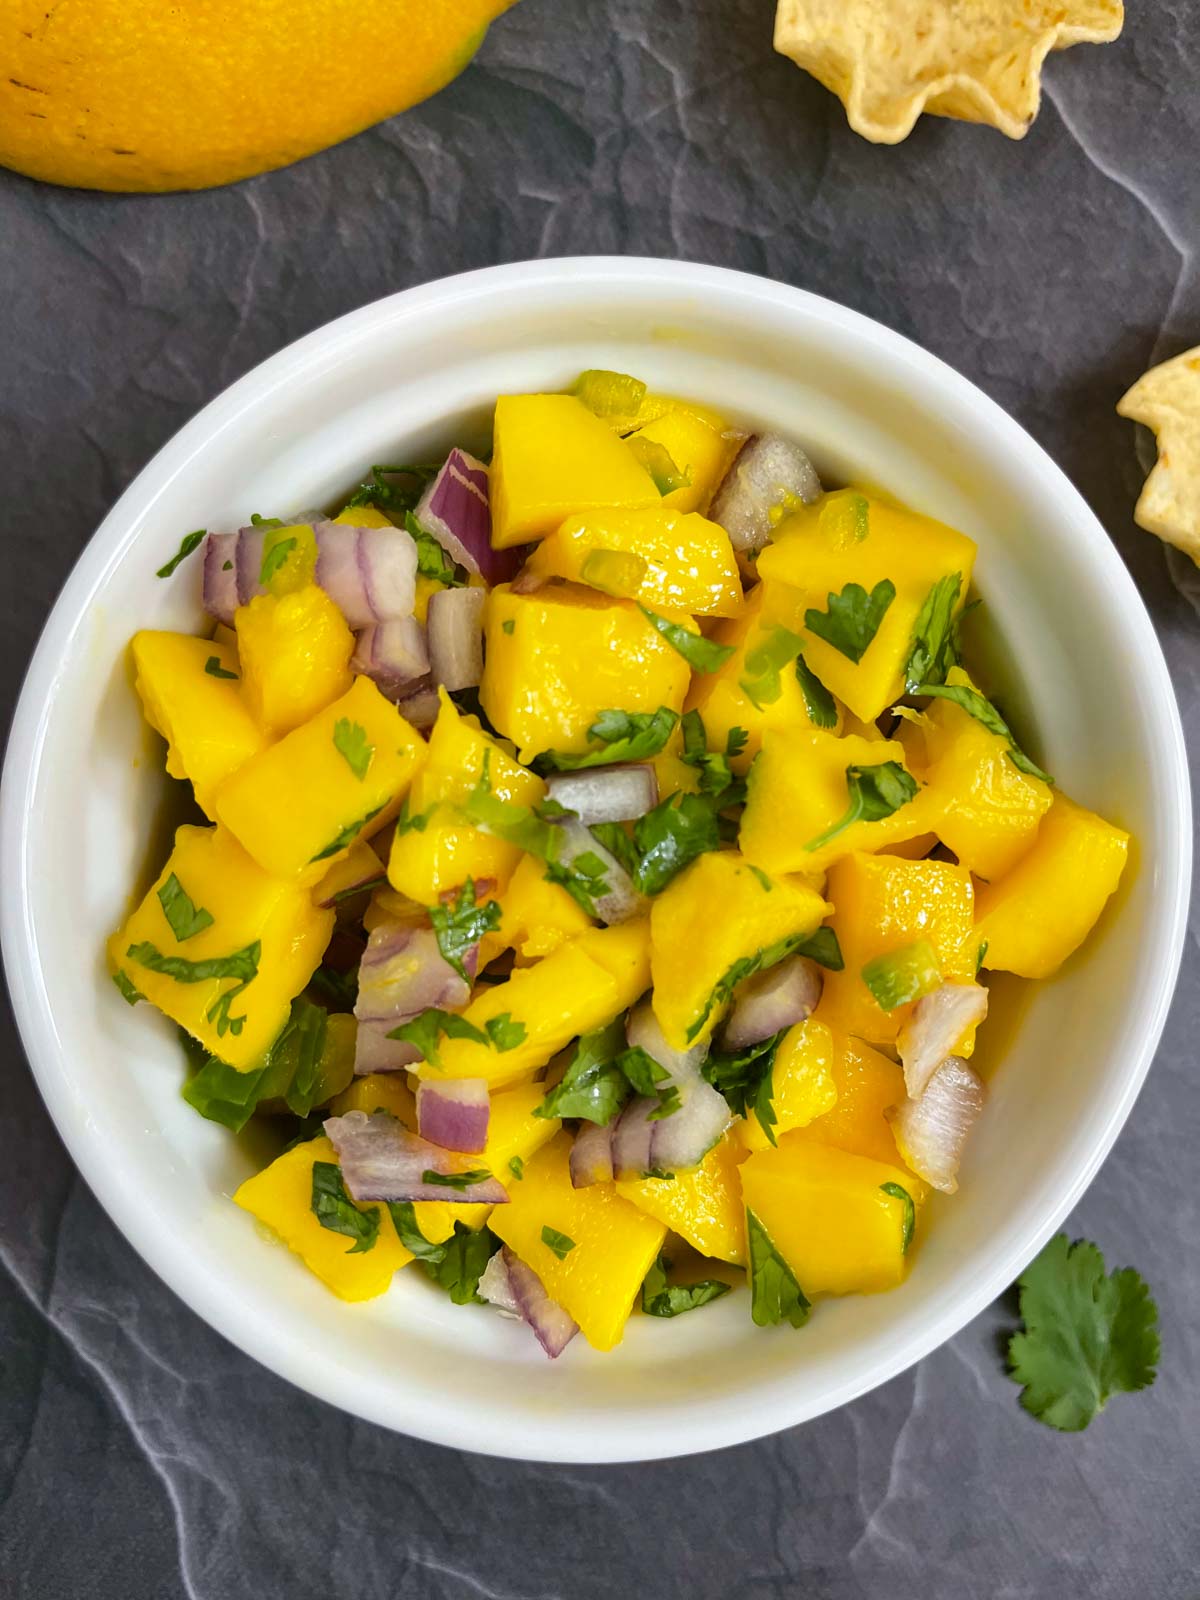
{"x": 141, "y": 1456}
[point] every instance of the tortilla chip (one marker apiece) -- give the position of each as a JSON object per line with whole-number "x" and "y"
{"x": 977, "y": 60}
{"x": 1167, "y": 400}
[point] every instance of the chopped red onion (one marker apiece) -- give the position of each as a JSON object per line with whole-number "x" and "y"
{"x": 768, "y": 473}
{"x": 606, "y": 794}
{"x": 644, "y": 1143}
{"x": 642, "y": 1030}
{"x": 420, "y": 709}
{"x": 455, "y": 510}
{"x": 220, "y": 576}
{"x": 591, "y": 1156}
{"x": 454, "y": 1113}
{"x": 455, "y": 625}
{"x": 507, "y": 1283}
{"x": 394, "y": 654}
{"x": 381, "y": 1160}
{"x": 774, "y": 1000}
{"x": 369, "y": 573}
{"x": 930, "y": 1132}
{"x": 935, "y": 1028}
{"x": 403, "y": 973}
{"x": 622, "y": 901}
{"x": 632, "y": 1136}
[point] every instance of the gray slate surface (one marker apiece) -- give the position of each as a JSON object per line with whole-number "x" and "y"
{"x": 140, "y": 1456}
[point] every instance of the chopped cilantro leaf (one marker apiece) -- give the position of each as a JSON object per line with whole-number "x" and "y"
{"x": 775, "y": 1295}
{"x": 875, "y": 793}
{"x": 701, "y": 654}
{"x": 818, "y": 702}
{"x": 560, "y": 1243}
{"x": 508, "y": 626}
{"x": 616, "y": 840}
{"x": 432, "y": 559}
{"x": 189, "y": 543}
{"x": 417, "y": 822}
{"x": 932, "y": 652}
{"x": 660, "y": 1299}
{"x": 982, "y": 709}
{"x": 852, "y": 618}
{"x": 379, "y": 491}
{"x": 186, "y": 919}
{"x": 425, "y": 1031}
{"x": 505, "y": 819}
{"x": 242, "y": 965}
{"x": 465, "y": 1255}
{"x": 649, "y": 1078}
{"x": 274, "y": 556}
{"x": 769, "y": 956}
{"x": 347, "y": 836}
{"x": 408, "y": 1231}
{"x": 215, "y": 670}
{"x": 746, "y": 1079}
{"x": 351, "y": 743}
{"x": 131, "y": 994}
{"x": 504, "y": 1033}
{"x": 334, "y": 1209}
{"x": 456, "y": 1180}
{"x": 622, "y": 735}
{"x": 593, "y": 1087}
{"x": 583, "y": 877}
{"x": 909, "y": 1219}
{"x": 671, "y": 836}
{"x": 517, "y": 1167}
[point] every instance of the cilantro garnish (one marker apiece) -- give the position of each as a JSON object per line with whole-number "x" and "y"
{"x": 933, "y": 650}
{"x": 503, "y": 1033}
{"x": 508, "y": 626}
{"x": 560, "y": 1243}
{"x": 671, "y": 836}
{"x": 762, "y": 682}
{"x": 818, "y": 702}
{"x": 185, "y": 917}
{"x": 215, "y": 670}
{"x": 716, "y": 774}
{"x": 852, "y": 618}
{"x": 982, "y": 709}
{"x": 746, "y": 1079}
{"x": 583, "y": 879}
{"x": 623, "y": 735}
{"x": 821, "y": 946}
{"x": 701, "y": 654}
{"x": 274, "y": 557}
{"x": 242, "y": 964}
{"x": 348, "y": 835}
{"x": 456, "y": 1264}
{"x": 507, "y": 820}
{"x": 432, "y": 559}
{"x": 351, "y": 743}
{"x": 1087, "y": 1335}
{"x": 380, "y": 492}
{"x": 408, "y": 1231}
{"x": 189, "y": 543}
{"x": 456, "y": 1180}
{"x": 517, "y": 1167}
{"x": 775, "y": 1295}
{"x": 220, "y": 1092}
{"x": 593, "y": 1087}
{"x": 909, "y": 1219}
{"x": 650, "y": 1078}
{"x": 334, "y": 1209}
{"x": 417, "y": 822}
{"x": 875, "y": 793}
{"x": 129, "y": 992}
{"x": 660, "y": 1299}
{"x": 339, "y": 989}
{"x": 265, "y": 522}
{"x": 425, "y": 1031}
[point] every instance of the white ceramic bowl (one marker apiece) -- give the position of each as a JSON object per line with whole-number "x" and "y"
{"x": 1082, "y": 672}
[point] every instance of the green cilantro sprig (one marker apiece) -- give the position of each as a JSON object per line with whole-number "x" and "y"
{"x": 461, "y": 924}
{"x": 746, "y": 1079}
{"x": 186, "y": 919}
{"x": 335, "y": 1210}
{"x": 351, "y": 743}
{"x": 701, "y": 654}
{"x": 982, "y": 709}
{"x": 875, "y": 793}
{"x": 561, "y": 1243}
{"x": 775, "y": 1294}
{"x": 189, "y": 542}
{"x": 852, "y": 618}
{"x": 933, "y": 652}
{"x": 456, "y": 1265}
{"x": 762, "y": 680}
{"x": 622, "y": 735}
{"x": 821, "y": 946}
{"x": 242, "y": 965}
{"x": 663, "y": 1299}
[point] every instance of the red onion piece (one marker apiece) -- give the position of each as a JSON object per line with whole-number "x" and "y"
{"x": 370, "y": 574}
{"x": 511, "y": 1286}
{"x": 381, "y": 1160}
{"x": 455, "y": 626}
{"x": 454, "y": 1113}
{"x": 930, "y": 1132}
{"x": 420, "y": 708}
{"x": 632, "y": 1136}
{"x": 394, "y": 654}
{"x": 935, "y": 1027}
{"x": 767, "y": 473}
{"x": 622, "y": 901}
{"x": 220, "y": 576}
{"x": 455, "y": 509}
{"x": 684, "y": 1138}
{"x": 774, "y": 1000}
{"x": 402, "y": 974}
{"x": 591, "y": 1156}
{"x": 606, "y": 794}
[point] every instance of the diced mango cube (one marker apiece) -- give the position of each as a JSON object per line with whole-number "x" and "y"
{"x": 829, "y": 1215}
{"x": 428, "y": 860}
{"x": 613, "y": 1244}
{"x": 364, "y": 517}
{"x": 798, "y": 791}
{"x": 802, "y": 1083}
{"x": 515, "y": 1135}
{"x": 867, "y": 1084}
{"x": 687, "y": 561}
{"x": 882, "y": 903}
{"x": 702, "y": 1204}
{"x": 850, "y": 537}
{"x": 717, "y": 915}
{"x": 378, "y": 1091}
{"x": 559, "y": 657}
{"x": 189, "y": 693}
{"x": 552, "y": 456}
{"x": 538, "y": 916}
{"x": 1034, "y": 918}
{"x": 356, "y": 873}
{"x": 273, "y": 924}
{"x": 701, "y": 445}
{"x": 581, "y": 985}
{"x": 303, "y": 802}
{"x": 295, "y": 654}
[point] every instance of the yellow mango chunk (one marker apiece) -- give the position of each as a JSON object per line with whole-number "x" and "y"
{"x": 247, "y": 908}
{"x": 302, "y": 803}
{"x": 829, "y": 1216}
{"x": 426, "y": 862}
{"x": 359, "y": 869}
{"x": 1034, "y": 918}
{"x": 568, "y": 655}
{"x": 803, "y": 1084}
{"x": 364, "y": 517}
{"x": 724, "y": 704}
{"x": 882, "y": 903}
{"x": 797, "y": 792}
{"x": 295, "y": 654}
{"x": 687, "y": 561}
{"x": 538, "y": 916}
{"x": 281, "y": 1197}
{"x": 202, "y": 716}
{"x": 378, "y": 1091}
{"x": 850, "y": 537}
{"x": 551, "y": 456}
{"x": 703, "y": 1204}
{"x": 717, "y": 913}
{"x": 581, "y": 985}
{"x": 867, "y": 1083}
{"x": 613, "y": 1244}
{"x": 701, "y": 445}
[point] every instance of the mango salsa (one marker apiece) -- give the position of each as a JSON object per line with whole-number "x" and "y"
{"x": 702, "y": 1204}
{"x": 803, "y": 1086}
{"x": 538, "y": 916}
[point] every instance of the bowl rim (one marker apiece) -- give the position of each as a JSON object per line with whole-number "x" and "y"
{"x": 428, "y": 1418}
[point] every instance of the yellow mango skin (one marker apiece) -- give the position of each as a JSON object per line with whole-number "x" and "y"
{"x": 690, "y": 564}
{"x": 724, "y": 704}
{"x": 828, "y": 1216}
{"x": 289, "y": 803}
{"x": 615, "y": 1243}
{"x": 295, "y": 654}
{"x": 882, "y": 903}
{"x": 716, "y": 912}
{"x": 550, "y": 457}
{"x": 816, "y": 552}
{"x": 208, "y": 728}
{"x": 797, "y": 790}
{"x": 245, "y": 905}
{"x": 1045, "y": 908}
{"x": 701, "y": 445}
{"x": 425, "y": 864}
{"x": 803, "y": 1084}
{"x": 703, "y": 1204}
{"x": 128, "y": 95}
{"x": 538, "y": 916}
{"x": 581, "y": 986}
{"x": 867, "y": 1083}
{"x": 571, "y": 654}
